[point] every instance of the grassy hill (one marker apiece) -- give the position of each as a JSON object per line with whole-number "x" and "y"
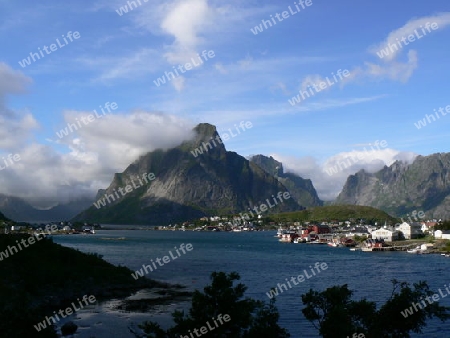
{"x": 338, "y": 213}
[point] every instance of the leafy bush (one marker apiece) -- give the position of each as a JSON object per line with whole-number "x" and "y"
{"x": 249, "y": 318}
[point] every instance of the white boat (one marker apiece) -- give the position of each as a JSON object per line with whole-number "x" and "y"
{"x": 280, "y": 232}
{"x": 418, "y": 249}
{"x": 335, "y": 244}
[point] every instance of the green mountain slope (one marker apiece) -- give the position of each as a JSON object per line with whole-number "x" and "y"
{"x": 338, "y": 213}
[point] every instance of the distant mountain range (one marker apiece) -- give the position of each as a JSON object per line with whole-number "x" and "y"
{"x": 189, "y": 184}
{"x": 21, "y": 211}
{"x": 401, "y": 188}
{"x": 201, "y": 178}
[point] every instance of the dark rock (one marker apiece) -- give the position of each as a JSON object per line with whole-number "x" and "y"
{"x": 69, "y": 328}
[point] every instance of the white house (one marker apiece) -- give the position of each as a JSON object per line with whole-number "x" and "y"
{"x": 410, "y": 231}
{"x": 442, "y": 234}
{"x": 386, "y": 234}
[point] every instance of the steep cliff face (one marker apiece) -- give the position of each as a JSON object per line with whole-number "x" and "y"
{"x": 187, "y": 184}
{"x": 401, "y": 188}
{"x": 302, "y": 190}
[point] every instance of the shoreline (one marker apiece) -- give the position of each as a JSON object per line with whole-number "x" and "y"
{"x": 122, "y": 317}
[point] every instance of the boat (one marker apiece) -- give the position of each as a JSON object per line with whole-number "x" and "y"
{"x": 414, "y": 251}
{"x": 335, "y": 242}
{"x": 280, "y": 232}
{"x": 289, "y": 237}
{"x": 420, "y": 249}
{"x": 370, "y": 245}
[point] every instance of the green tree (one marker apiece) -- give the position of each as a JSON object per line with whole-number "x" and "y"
{"x": 445, "y": 225}
{"x": 336, "y": 315}
{"x": 249, "y": 318}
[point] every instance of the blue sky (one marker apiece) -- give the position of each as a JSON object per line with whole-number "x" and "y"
{"x": 118, "y": 58}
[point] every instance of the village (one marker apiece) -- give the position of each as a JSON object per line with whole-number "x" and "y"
{"x": 412, "y": 236}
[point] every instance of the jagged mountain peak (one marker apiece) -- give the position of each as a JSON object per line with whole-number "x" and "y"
{"x": 403, "y": 187}
{"x": 301, "y": 189}
{"x": 269, "y": 164}
{"x": 188, "y": 184}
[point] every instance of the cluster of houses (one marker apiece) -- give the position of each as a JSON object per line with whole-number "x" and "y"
{"x": 62, "y": 227}
{"x": 217, "y": 223}
{"x": 411, "y": 230}
{"x": 386, "y": 233}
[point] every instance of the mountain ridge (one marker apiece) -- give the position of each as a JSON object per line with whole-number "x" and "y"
{"x": 187, "y": 187}
{"x": 301, "y": 189}
{"x": 401, "y": 188}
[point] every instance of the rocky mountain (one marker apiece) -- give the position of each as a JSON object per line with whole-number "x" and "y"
{"x": 302, "y": 190}
{"x": 197, "y": 178}
{"x": 3, "y": 217}
{"x": 423, "y": 185}
{"x": 19, "y": 210}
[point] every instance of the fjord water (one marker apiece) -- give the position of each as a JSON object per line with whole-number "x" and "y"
{"x": 263, "y": 262}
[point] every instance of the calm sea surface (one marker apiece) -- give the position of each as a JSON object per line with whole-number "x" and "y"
{"x": 262, "y": 262}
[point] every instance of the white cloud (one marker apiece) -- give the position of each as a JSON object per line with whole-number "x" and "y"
{"x": 178, "y": 83}
{"x": 95, "y": 151}
{"x": 119, "y": 139}
{"x": 442, "y": 20}
{"x": 15, "y": 126}
{"x": 389, "y": 66}
{"x": 12, "y": 81}
{"x": 185, "y": 21}
{"x": 394, "y": 70}
{"x": 128, "y": 66}
{"x": 312, "y": 80}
